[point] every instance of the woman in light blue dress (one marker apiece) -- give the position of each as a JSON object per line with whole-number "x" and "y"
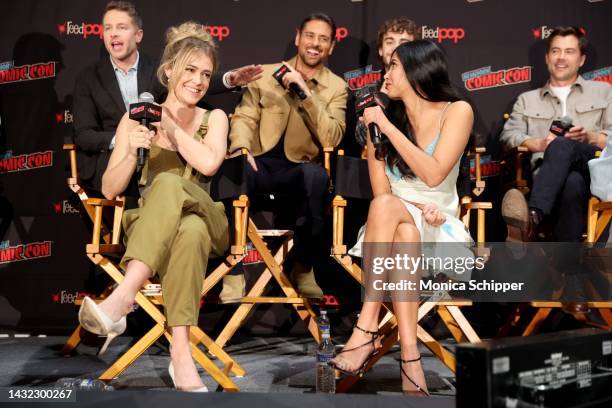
{"x": 601, "y": 173}
{"x": 414, "y": 184}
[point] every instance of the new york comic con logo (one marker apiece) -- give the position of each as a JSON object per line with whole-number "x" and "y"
{"x": 23, "y": 162}
{"x": 483, "y": 78}
{"x": 81, "y": 29}
{"x": 601, "y": 74}
{"x": 24, "y": 252}
{"x": 440, "y": 34}
{"x": 543, "y": 32}
{"x": 10, "y": 73}
{"x": 358, "y": 78}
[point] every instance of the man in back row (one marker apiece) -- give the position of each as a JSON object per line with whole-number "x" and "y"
{"x": 560, "y": 190}
{"x": 391, "y": 34}
{"x": 284, "y": 134}
{"x": 561, "y": 179}
{"x": 104, "y": 91}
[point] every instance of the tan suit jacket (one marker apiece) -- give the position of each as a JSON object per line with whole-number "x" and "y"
{"x": 267, "y": 111}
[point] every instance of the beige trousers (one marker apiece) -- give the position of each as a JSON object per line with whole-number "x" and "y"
{"x": 174, "y": 231}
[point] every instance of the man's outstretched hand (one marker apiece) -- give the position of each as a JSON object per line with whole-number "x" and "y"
{"x": 244, "y": 75}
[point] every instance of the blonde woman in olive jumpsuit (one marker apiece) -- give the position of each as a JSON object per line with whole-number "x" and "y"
{"x": 177, "y": 226}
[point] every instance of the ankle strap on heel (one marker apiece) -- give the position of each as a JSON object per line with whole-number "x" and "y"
{"x": 417, "y": 386}
{"x": 374, "y": 334}
{"x": 411, "y": 361}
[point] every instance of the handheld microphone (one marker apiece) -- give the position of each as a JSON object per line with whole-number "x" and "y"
{"x": 561, "y": 126}
{"x": 280, "y": 73}
{"x": 368, "y": 100}
{"x": 145, "y": 112}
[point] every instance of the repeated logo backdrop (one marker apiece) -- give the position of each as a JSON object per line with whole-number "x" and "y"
{"x": 495, "y": 51}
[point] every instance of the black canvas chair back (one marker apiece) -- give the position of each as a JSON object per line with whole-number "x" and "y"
{"x": 352, "y": 178}
{"x": 464, "y": 183}
{"x": 230, "y": 181}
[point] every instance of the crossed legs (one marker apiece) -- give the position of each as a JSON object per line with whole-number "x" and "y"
{"x": 171, "y": 235}
{"x": 388, "y": 221}
{"x": 120, "y": 302}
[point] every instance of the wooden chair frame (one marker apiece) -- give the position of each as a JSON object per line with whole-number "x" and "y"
{"x": 103, "y": 244}
{"x": 448, "y": 310}
{"x": 598, "y": 217}
{"x": 245, "y": 227}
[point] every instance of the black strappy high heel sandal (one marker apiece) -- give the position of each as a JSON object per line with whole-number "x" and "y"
{"x": 420, "y": 391}
{"x": 360, "y": 371}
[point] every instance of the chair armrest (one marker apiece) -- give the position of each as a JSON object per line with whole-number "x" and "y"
{"x": 98, "y": 204}
{"x": 516, "y": 156}
{"x": 480, "y": 183}
{"x": 71, "y": 149}
{"x": 327, "y": 153}
{"x": 467, "y": 205}
{"x": 102, "y": 202}
{"x": 485, "y": 205}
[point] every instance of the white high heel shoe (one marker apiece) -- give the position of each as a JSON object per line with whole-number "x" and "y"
{"x": 94, "y": 320}
{"x": 171, "y": 374}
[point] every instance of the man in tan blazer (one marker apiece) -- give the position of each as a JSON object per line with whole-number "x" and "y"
{"x": 285, "y": 134}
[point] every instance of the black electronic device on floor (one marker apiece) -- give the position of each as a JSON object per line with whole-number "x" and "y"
{"x": 564, "y": 369}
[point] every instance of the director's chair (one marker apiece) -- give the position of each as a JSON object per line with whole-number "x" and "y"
{"x": 246, "y": 228}
{"x": 352, "y": 181}
{"x": 103, "y": 251}
{"x": 598, "y": 218}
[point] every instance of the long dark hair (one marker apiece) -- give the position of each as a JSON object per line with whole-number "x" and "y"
{"x": 425, "y": 66}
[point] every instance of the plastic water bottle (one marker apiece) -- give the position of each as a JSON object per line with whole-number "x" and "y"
{"x": 83, "y": 384}
{"x": 326, "y": 375}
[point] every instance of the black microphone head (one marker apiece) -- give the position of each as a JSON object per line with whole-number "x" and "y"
{"x": 146, "y": 97}
{"x": 145, "y": 109}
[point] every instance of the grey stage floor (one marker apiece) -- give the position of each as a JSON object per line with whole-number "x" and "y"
{"x": 273, "y": 365}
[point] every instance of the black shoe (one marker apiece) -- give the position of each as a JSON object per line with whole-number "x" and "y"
{"x": 419, "y": 391}
{"x": 361, "y": 370}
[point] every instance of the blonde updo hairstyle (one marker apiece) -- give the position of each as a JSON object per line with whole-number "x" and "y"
{"x": 183, "y": 43}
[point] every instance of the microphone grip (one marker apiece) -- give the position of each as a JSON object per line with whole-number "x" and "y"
{"x": 298, "y": 91}
{"x": 375, "y": 134}
{"x": 376, "y": 138}
{"x": 142, "y": 157}
{"x": 142, "y": 153}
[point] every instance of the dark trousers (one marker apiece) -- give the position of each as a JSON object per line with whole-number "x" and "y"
{"x": 303, "y": 187}
{"x": 561, "y": 187}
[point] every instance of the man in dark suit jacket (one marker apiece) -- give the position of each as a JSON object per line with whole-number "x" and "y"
{"x": 104, "y": 91}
